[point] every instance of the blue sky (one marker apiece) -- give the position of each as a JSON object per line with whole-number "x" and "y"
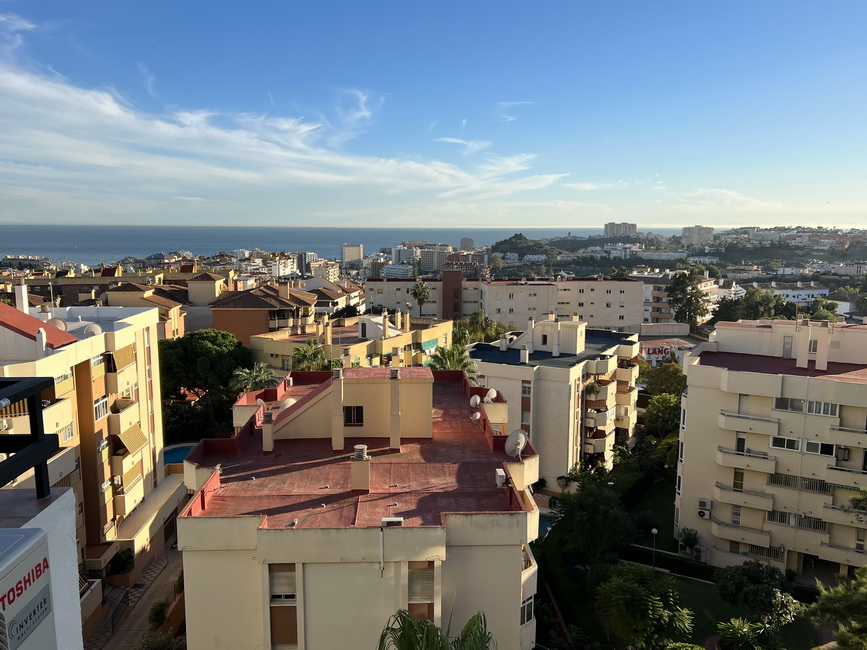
{"x": 448, "y": 114}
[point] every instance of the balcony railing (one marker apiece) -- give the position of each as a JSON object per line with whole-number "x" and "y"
{"x": 814, "y": 485}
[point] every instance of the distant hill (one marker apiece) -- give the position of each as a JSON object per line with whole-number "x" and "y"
{"x": 572, "y": 244}
{"x": 519, "y": 244}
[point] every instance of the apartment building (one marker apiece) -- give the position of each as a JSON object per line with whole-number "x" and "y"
{"x": 332, "y": 296}
{"x": 352, "y": 254}
{"x": 615, "y": 304}
{"x": 104, "y": 406}
{"x": 772, "y": 445}
{"x": 349, "y": 495}
{"x": 571, "y": 388}
{"x": 325, "y": 269}
{"x": 656, "y": 284}
{"x": 168, "y": 301}
{"x": 801, "y": 293}
{"x": 377, "y": 340}
{"x": 623, "y": 229}
{"x": 696, "y": 235}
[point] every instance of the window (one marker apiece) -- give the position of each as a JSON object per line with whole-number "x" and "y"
{"x": 101, "y": 445}
{"x": 525, "y": 417}
{"x": 353, "y": 416}
{"x": 813, "y": 346}
{"x": 740, "y": 444}
{"x": 527, "y": 610}
{"x": 734, "y": 547}
{"x": 623, "y": 291}
{"x": 738, "y": 480}
{"x": 525, "y": 389}
{"x": 80, "y": 508}
{"x": 678, "y": 485}
{"x": 66, "y": 433}
{"x": 789, "y": 404}
{"x": 736, "y": 515}
{"x": 580, "y": 290}
{"x": 98, "y": 360}
{"x": 511, "y": 310}
{"x": 676, "y": 516}
{"x": 621, "y": 317}
{"x": 498, "y": 310}
{"x": 683, "y": 418}
{"x": 544, "y": 339}
{"x": 100, "y": 408}
{"x": 281, "y": 582}
{"x": 680, "y": 451}
{"x": 608, "y": 291}
{"x": 859, "y": 539}
{"x": 608, "y": 304}
{"x": 821, "y": 448}
{"x": 580, "y": 304}
{"x": 792, "y": 444}
{"x": 105, "y": 487}
{"x": 822, "y": 408}
{"x": 511, "y": 296}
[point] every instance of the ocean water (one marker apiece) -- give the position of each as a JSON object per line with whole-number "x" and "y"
{"x": 93, "y": 245}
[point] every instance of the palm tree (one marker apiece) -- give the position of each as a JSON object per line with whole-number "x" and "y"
{"x": 456, "y": 357}
{"x": 421, "y": 292}
{"x": 258, "y": 377}
{"x": 403, "y": 632}
{"x": 309, "y": 357}
{"x": 485, "y": 328}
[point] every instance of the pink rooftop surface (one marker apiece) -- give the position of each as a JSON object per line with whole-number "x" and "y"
{"x": 848, "y": 372}
{"x": 305, "y": 480}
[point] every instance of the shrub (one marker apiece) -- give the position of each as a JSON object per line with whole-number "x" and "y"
{"x": 158, "y": 613}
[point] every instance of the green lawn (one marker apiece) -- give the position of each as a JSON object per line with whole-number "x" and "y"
{"x": 659, "y": 500}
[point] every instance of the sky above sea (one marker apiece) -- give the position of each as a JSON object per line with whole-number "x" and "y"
{"x": 446, "y": 114}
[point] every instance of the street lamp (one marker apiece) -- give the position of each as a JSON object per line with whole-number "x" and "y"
{"x": 654, "y": 532}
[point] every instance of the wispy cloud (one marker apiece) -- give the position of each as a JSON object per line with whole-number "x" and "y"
{"x": 713, "y": 199}
{"x": 271, "y": 99}
{"x": 148, "y": 79}
{"x": 506, "y": 110}
{"x": 470, "y": 146}
{"x": 12, "y": 27}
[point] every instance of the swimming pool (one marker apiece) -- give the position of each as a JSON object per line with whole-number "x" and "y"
{"x": 177, "y": 454}
{"x": 545, "y": 522}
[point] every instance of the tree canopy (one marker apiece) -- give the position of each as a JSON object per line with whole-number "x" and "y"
{"x": 642, "y": 607}
{"x": 667, "y": 377}
{"x": 454, "y": 357}
{"x": 760, "y": 587}
{"x": 593, "y": 520}
{"x": 846, "y": 605}
{"x": 420, "y": 293}
{"x": 663, "y": 414}
{"x": 311, "y": 356}
{"x": 686, "y": 298}
{"x": 258, "y": 377}
{"x": 404, "y": 632}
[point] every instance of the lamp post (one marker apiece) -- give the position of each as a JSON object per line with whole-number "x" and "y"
{"x": 654, "y": 532}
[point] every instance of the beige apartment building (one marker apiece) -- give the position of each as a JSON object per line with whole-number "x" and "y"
{"x": 377, "y": 340}
{"x": 656, "y": 283}
{"x": 773, "y": 445}
{"x": 571, "y": 388}
{"x": 349, "y": 495}
{"x": 612, "y": 304}
{"x": 105, "y": 408}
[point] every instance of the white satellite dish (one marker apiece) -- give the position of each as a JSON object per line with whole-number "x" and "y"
{"x": 475, "y": 417}
{"x": 59, "y": 323}
{"x": 490, "y": 395}
{"x": 261, "y": 402}
{"x": 286, "y": 403}
{"x": 515, "y": 443}
{"x": 92, "y": 330}
{"x": 474, "y": 401}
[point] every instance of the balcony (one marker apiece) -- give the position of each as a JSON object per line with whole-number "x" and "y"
{"x": 628, "y": 374}
{"x": 602, "y": 365}
{"x": 64, "y": 386}
{"x": 123, "y": 461}
{"x": 627, "y": 350}
{"x": 129, "y": 494}
{"x": 849, "y": 437}
{"x": 596, "y": 445}
{"x": 840, "y": 515}
{"x": 841, "y": 554}
{"x": 847, "y": 477}
{"x": 748, "y": 498}
{"x": 122, "y": 380}
{"x": 626, "y": 396}
{"x": 751, "y": 423}
{"x": 757, "y": 462}
{"x": 601, "y": 419}
{"x": 735, "y": 533}
{"x": 123, "y": 415}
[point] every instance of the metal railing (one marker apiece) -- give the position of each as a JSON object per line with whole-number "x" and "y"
{"x": 749, "y": 453}
{"x": 743, "y": 416}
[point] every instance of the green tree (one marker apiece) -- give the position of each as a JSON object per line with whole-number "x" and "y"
{"x": 760, "y": 587}
{"x": 845, "y": 605}
{"x": 742, "y": 634}
{"x": 667, "y": 377}
{"x": 822, "y": 309}
{"x": 763, "y": 304}
{"x": 420, "y": 293}
{"x": 496, "y": 263}
{"x": 258, "y": 377}
{"x": 642, "y": 607}
{"x": 311, "y": 357}
{"x": 160, "y": 641}
{"x": 455, "y": 357}
{"x": 686, "y": 298}
{"x": 404, "y": 632}
{"x": 157, "y": 613}
{"x": 663, "y": 414}
{"x": 203, "y": 359}
{"x": 728, "y": 310}
{"x": 485, "y": 328}
{"x": 644, "y": 369}
{"x": 861, "y": 304}
{"x": 593, "y": 521}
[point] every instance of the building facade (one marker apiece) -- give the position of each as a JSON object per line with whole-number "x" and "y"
{"x": 623, "y": 229}
{"x": 696, "y": 235}
{"x": 571, "y": 388}
{"x": 772, "y": 445}
{"x": 352, "y": 254}
{"x": 374, "y": 490}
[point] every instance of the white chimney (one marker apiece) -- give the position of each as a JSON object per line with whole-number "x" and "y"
{"x": 394, "y": 424}
{"x": 525, "y": 354}
{"x": 359, "y": 464}
{"x": 21, "y": 303}
{"x": 504, "y": 344}
{"x": 555, "y": 352}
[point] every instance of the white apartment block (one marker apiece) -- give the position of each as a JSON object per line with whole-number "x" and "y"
{"x": 801, "y": 293}
{"x": 773, "y": 445}
{"x": 352, "y": 254}
{"x": 571, "y": 388}
{"x": 623, "y": 229}
{"x": 696, "y": 235}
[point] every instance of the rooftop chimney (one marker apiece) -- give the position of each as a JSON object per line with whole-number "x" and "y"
{"x": 267, "y": 431}
{"x": 555, "y": 352}
{"x": 394, "y": 428}
{"x": 337, "y": 409}
{"x": 359, "y": 464}
{"x": 525, "y": 354}
{"x": 504, "y": 343}
{"x": 21, "y": 303}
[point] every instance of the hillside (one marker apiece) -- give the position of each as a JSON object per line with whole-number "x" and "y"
{"x": 519, "y": 244}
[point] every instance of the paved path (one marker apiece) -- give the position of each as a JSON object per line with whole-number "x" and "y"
{"x": 156, "y": 584}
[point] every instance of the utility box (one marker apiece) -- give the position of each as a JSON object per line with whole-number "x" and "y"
{"x": 26, "y": 609}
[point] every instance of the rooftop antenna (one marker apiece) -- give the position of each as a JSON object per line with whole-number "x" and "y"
{"x": 515, "y": 443}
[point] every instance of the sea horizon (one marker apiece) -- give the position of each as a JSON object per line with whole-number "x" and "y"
{"x": 95, "y": 245}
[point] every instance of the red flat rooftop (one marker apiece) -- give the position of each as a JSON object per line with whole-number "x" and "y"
{"x": 854, "y": 373}
{"x": 305, "y": 480}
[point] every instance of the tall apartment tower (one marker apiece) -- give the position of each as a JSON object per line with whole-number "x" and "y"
{"x": 467, "y": 244}
{"x": 697, "y": 235}
{"x": 773, "y": 445}
{"x": 352, "y": 254}
{"x": 623, "y": 229}
{"x": 104, "y": 405}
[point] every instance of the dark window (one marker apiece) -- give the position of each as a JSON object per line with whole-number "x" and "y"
{"x": 544, "y": 339}
{"x": 353, "y": 416}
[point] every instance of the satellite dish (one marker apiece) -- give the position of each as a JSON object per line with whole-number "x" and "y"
{"x": 286, "y": 403}
{"x": 490, "y": 395}
{"x": 59, "y": 323}
{"x": 261, "y": 402}
{"x": 92, "y": 330}
{"x": 475, "y": 417}
{"x": 515, "y": 443}
{"x": 474, "y": 400}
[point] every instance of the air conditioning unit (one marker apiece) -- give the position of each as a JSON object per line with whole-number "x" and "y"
{"x": 699, "y": 554}
{"x": 390, "y": 522}
{"x": 500, "y": 476}
{"x": 4, "y": 425}
{"x": 705, "y": 504}
{"x": 704, "y": 514}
